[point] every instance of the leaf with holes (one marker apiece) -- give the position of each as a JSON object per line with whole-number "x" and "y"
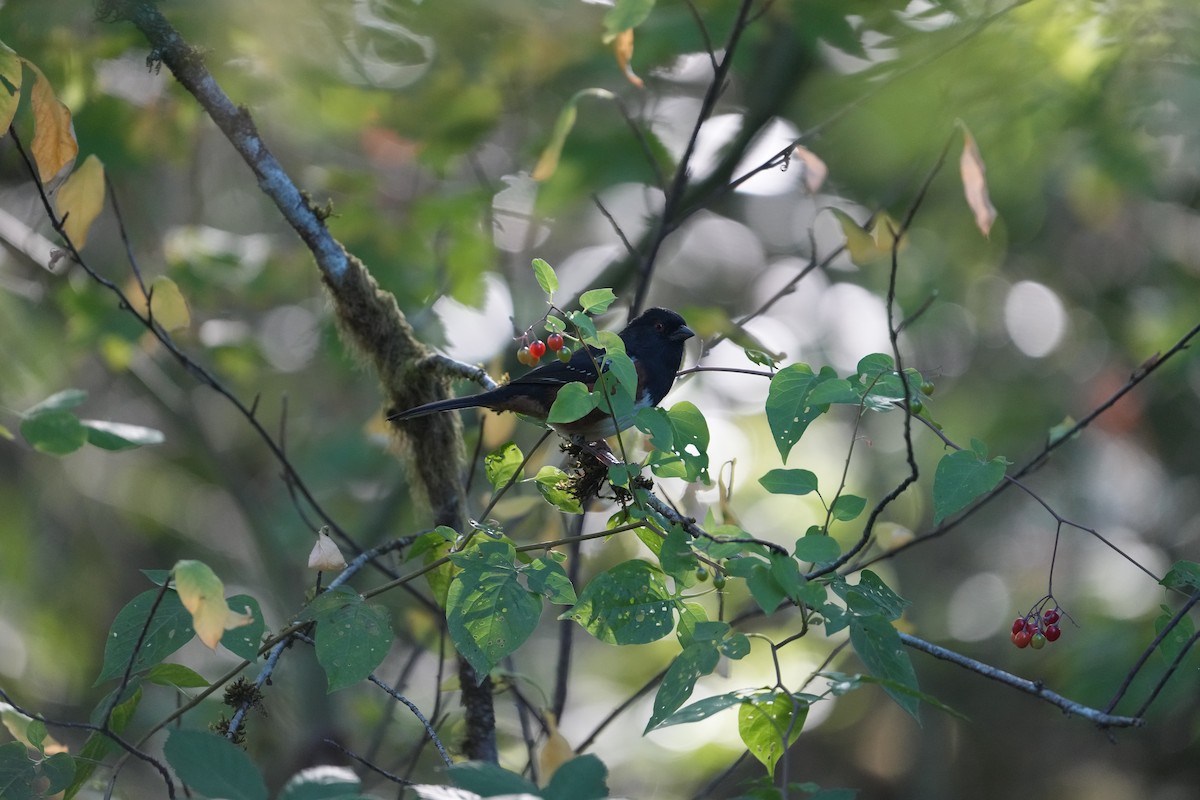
{"x": 879, "y": 648}
{"x": 488, "y": 612}
{"x": 698, "y": 659}
{"x": 502, "y": 464}
{"x": 789, "y": 411}
{"x": 628, "y": 604}
{"x": 352, "y": 637}
{"x": 766, "y": 721}
{"x": 169, "y": 630}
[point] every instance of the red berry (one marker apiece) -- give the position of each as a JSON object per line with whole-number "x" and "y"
{"x": 1031, "y": 626}
{"x": 1037, "y": 641}
{"x": 1050, "y": 616}
{"x": 1018, "y": 625}
{"x": 555, "y": 342}
{"x": 1052, "y": 633}
{"x": 537, "y": 349}
{"x": 1021, "y": 639}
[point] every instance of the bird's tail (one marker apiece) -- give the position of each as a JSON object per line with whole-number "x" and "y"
{"x": 436, "y": 407}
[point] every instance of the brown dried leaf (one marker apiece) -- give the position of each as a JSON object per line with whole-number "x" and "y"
{"x": 815, "y": 170}
{"x": 623, "y": 48}
{"x": 54, "y": 145}
{"x": 325, "y": 555}
{"x": 556, "y": 752}
{"x": 974, "y": 180}
{"x": 81, "y": 199}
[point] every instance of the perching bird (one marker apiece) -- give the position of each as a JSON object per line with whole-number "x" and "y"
{"x": 653, "y": 342}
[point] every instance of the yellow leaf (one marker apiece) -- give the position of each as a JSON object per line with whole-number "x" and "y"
{"x": 883, "y": 231}
{"x": 548, "y": 162}
{"x": 974, "y": 180}
{"x": 556, "y": 752}
{"x": 10, "y": 85}
{"x": 859, "y": 244}
{"x": 54, "y": 145}
{"x": 325, "y": 554}
{"x": 203, "y": 595}
{"x": 81, "y": 199}
{"x": 623, "y": 48}
{"x": 815, "y": 170}
{"x": 169, "y": 308}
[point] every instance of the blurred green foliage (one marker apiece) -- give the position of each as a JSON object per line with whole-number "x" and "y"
{"x": 411, "y": 119}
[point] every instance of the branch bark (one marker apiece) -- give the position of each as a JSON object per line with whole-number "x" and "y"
{"x": 368, "y": 316}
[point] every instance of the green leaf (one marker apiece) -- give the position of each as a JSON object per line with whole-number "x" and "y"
{"x": 596, "y": 301}
{"x": 59, "y": 771}
{"x": 1174, "y": 642}
{"x": 554, "y": 484}
{"x": 119, "y": 436}
{"x": 628, "y": 604}
{"x": 548, "y": 161}
{"x": 735, "y": 646}
{"x": 789, "y": 481}
{"x": 60, "y": 401}
{"x": 325, "y": 782}
{"x": 544, "y": 272}
{"x": 54, "y": 432}
{"x": 170, "y": 630}
{"x": 176, "y": 675}
{"x": 572, "y": 402}
{"x": 703, "y": 709}
{"x": 488, "y": 612}
{"x": 789, "y": 411}
{"x": 245, "y": 640}
{"x": 677, "y": 558}
{"x": 547, "y": 577}
{"x": 697, "y": 660}
{"x": 584, "y": 327}
{"x": 502, "y": 463}
{"x": 837, "y": 390}
{"x": 582, "y": 778}
{"x": 691, "y": 616}
{"x": 870, "y": 596}
{"x": 847, "y": 507}
{"x": 1184, "y": 576}
{"x": 1062, "y": 429}
{"x": 817, "y": 548}
{"x": 688, "y": 455}
{"x": 352, "y": 637}
{"x": 961, "y": 478}
{"x": 17, "y": 773}
{"x": 10, "y": 85}
{"x": 657, "y": 424}
{"x": 625, "y": 14}
{"x": 94, "y": 751}
{"x": 213, "y": 765}
{"x": 766, "y": 721}
{"x": 879, "y": 648}
{"x": 489, "y": 780}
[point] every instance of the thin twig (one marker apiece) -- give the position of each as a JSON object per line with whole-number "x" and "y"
{"x": 1036, "y": 689}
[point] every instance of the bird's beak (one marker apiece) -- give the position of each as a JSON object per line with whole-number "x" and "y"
{"x": 683, "y": 334}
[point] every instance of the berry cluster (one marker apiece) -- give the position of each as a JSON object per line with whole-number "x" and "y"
{"x": 1036, "y": 629}
{"x": 531, "y": 354}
